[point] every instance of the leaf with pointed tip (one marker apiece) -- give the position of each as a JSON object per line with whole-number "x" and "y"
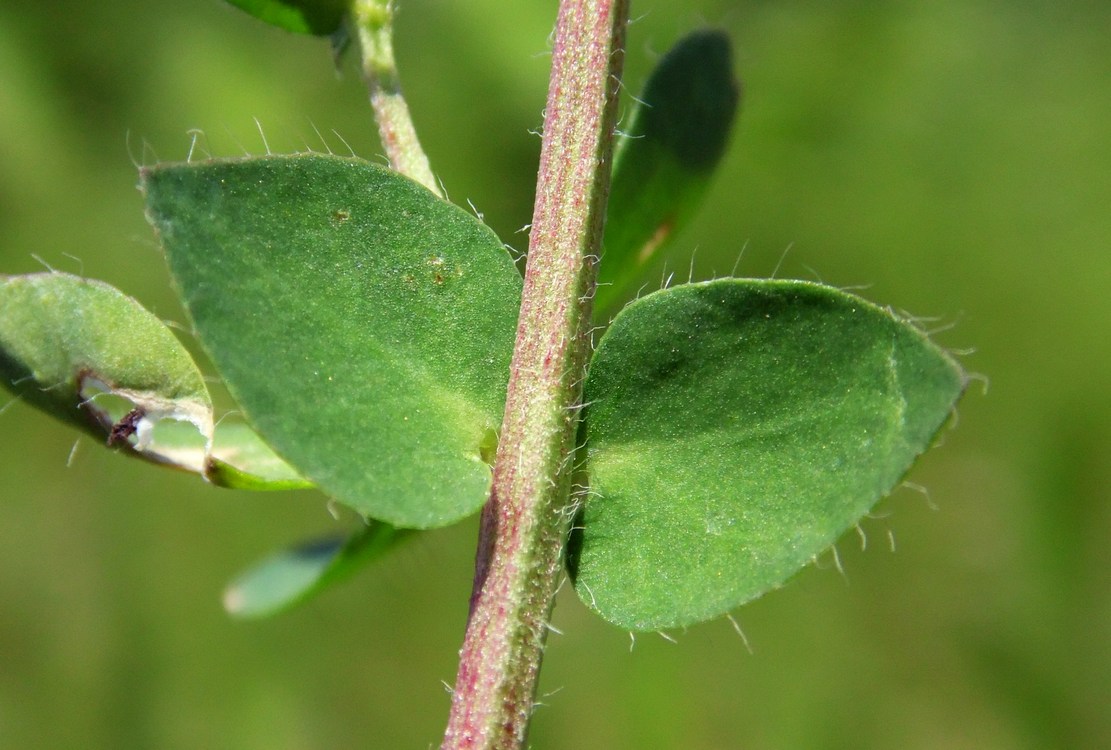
{"x": 363, "y": 325}
{"x": 736, "y": 429}
{"x": 317, "y": 17}
{"x": 291, "y": 577}
{"x": 666, "y": 157}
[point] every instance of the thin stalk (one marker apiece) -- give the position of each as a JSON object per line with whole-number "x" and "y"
{"x": 525, "y": 522}
{"x": 373, "y": 25}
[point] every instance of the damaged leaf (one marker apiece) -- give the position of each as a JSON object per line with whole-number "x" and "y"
{"x": 94, "y": 358}
{"x": 91, "y": 356}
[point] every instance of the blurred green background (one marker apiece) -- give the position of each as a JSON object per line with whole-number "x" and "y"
{"x": 954, "y": 156}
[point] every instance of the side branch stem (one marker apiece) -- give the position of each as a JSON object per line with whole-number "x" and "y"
{"x": 525, "y": 522}
{"x": 373, "y": 27}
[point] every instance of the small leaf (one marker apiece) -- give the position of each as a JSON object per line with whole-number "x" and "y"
{"x": 91, "y": 356}
{"x": 317, "y": 17}
{"x": 363, "y": 325}
{"x": 290, "y": 577}
{"x": 670, "y": 149}
{"x": 735, "y": 429}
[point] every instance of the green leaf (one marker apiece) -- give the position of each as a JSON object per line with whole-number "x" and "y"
{"x": 317, "y": 17}
{"x": 91, "y": 356}
{"x": 293, "y": 576}
{"x": 363, "y": 325}
{"x": 735, "y": 429}
{"x": 670, "y": 149}
{"x": 242, "y": 461}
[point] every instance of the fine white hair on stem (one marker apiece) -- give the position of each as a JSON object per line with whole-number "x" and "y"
{"x": 236, "y": 141}
{"x": 225, "y": 415}
{"x": 641, "y": 102}
{"x": 837, "y": 561}
{"x": 194, "y": 133}
{"x": 344, "y": 142}
{"x": 814, "y": 272}
{"x": 593, "y": 601}
{"x": 262, "y": 135}
{"x": 924, "y": 491}
{"x": 626, "y": 136}
{"x": 542, "y": 702}
{"x": 740, "y": 632}
{"x": 8, "y": 405}
{"x": 667, "y": 637}
{"x": 782, "y": 258}
{"x": 80, "y": 263}
{"x": 942, "y": 328}
{"x": 43, "y": 263}
{"x": 984, "y": 380}
{"x": 561, "y": 584}
{"x": 197, "y": 140}
{"x": 320, "y": 135}
{"x": 130, "y": 153}
{"x": 139, "y": 162}
{"x": 632, "y": 641}
{"x": 72, "y": 454}
{"x": 863, "y": 538}
{"x": 737, "y": 262}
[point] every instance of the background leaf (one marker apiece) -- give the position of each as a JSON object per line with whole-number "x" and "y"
{"x": 291, "y": 577}
{"x": 735, "y": 429}
{"x": 363, "y": 325}
{"x": 317, "y": 17}
{"x": 665, "y": 157}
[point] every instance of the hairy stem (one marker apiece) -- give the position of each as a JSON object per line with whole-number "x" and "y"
{"x": 524, "y": 524}
{"x": 373, "y": 25}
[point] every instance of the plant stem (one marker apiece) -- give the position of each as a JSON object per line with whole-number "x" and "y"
{"x": 373, "y": 24}
{"x": 524, "y": 524}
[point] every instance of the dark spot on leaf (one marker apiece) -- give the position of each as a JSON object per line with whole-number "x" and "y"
{"x": 126, "y": 427}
